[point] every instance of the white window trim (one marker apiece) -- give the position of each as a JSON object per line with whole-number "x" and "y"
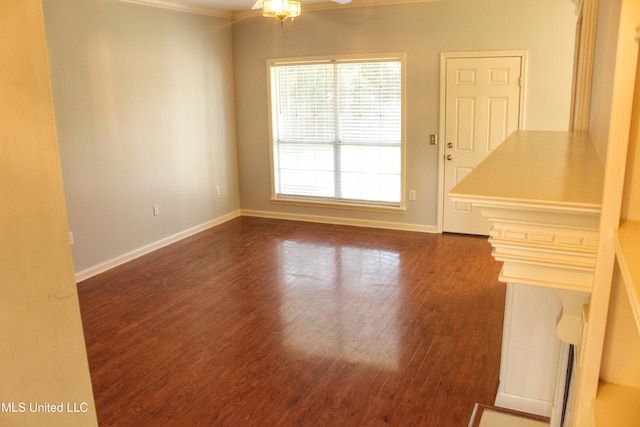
{"x": 330, "y": 202}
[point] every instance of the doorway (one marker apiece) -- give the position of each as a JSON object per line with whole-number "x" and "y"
{"x": 481, "y": 103}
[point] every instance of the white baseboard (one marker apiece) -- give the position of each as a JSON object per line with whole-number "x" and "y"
{"x": 356, "y": 222}
{"x": 523, "y": 404}
{"x": 107, "y": 265}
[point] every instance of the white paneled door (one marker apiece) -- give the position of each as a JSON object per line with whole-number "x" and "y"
{"x": 482, "y": 108}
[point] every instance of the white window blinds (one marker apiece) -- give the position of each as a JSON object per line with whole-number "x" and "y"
{"x": 306, "y": 106}
{"x": 370, "y": 103}
{"x": 337, "y": 130}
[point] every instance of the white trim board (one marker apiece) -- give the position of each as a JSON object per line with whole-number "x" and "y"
{"x": 356, "y": 222}
{"x": 136, "y": 253}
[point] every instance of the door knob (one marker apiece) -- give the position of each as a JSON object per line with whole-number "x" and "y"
{"x": 449, "y": 157}
{"x": 450, "y": 145}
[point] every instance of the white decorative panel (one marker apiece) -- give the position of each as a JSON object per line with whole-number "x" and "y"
{"x": 499, "y": 76}
{"x": 466, "y": 113}
{"x": 461, "y": 207}
{"x": 515, "y": 234}
{"x": 570, "y": 240}
{"x": 466, "y": 77}
{"x": 498, "y": 112}
{"x": 541, "y": 237}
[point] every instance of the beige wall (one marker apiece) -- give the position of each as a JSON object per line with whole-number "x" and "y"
{"x": 545, "y": 28}
{"x": 145, "y": 115}
{"x": 43, "y": 358}
{"x": 147, "y": 112}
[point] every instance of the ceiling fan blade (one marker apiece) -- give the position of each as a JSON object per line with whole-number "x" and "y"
{"x": 341, "y": 1}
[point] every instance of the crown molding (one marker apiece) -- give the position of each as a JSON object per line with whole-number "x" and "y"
{"x": 328, "y": 5}
{"x": 170, "y": 5}
{"x": 361, "y": 3}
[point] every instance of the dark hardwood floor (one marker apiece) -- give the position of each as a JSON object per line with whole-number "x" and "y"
{"x": 273, "y": 323}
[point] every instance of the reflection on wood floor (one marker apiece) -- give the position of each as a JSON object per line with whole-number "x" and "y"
{"x": 275, "y": 323}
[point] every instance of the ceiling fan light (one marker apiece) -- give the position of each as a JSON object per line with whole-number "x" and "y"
{"x": 281, "y": 9}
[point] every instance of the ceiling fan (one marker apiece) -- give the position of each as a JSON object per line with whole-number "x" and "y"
{"x": 283, "y": 9}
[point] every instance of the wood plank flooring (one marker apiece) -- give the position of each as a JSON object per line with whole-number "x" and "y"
{"x": 274, "y": 323}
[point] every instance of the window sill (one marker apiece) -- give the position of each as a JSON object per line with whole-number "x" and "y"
{"x": 339, "y": 205}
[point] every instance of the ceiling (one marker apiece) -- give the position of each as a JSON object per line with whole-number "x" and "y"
{"x": 229, "y": 6}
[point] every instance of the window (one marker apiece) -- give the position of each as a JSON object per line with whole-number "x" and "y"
{"x": 337, "y": 131}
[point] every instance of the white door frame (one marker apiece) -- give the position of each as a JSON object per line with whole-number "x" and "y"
{"x": 522, "y": 54}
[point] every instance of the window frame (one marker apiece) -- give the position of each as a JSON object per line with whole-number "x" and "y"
{"x": 330, "y": 201}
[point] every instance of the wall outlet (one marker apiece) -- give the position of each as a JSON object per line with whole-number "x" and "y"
{"x": 412, "y": 194}
{"x": 156, "y": 210}
{"x": 71, "y": 241}
{"x": 217, "y": 190}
